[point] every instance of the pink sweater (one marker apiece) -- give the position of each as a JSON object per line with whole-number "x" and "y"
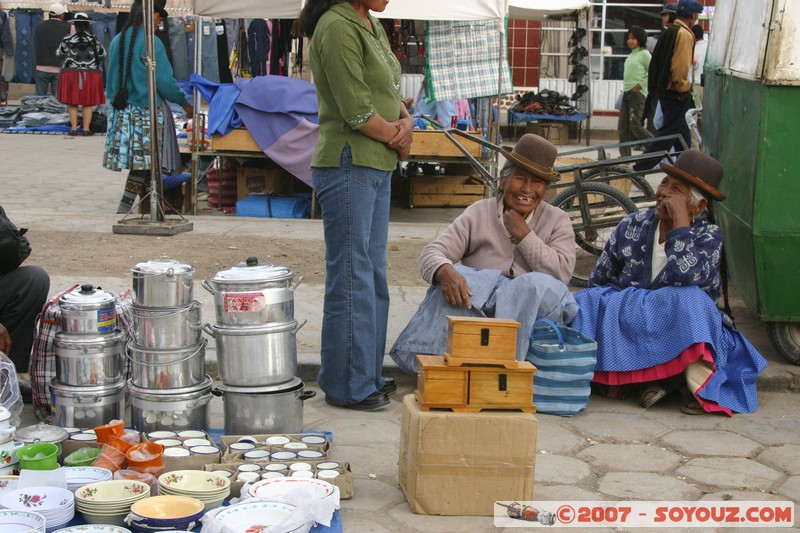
{"x": 477, "y": 239}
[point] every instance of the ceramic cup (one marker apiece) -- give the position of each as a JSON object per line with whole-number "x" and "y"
{"x": 327, "y": 474}
{"x": 276, "y": 467}
{"x": 271, "y": 475}
{"x": 241, "y": 446}
{"x": 303, "y": 474}
{"x": 316, "y": 440}
{"x": 283, "y": 456}
{"x": 295, "y": 446}
{"x": 256, "y": 455}
{"x": 191, "y": 434}
{"x": 204, "y": 450}
{"x": 155, "y": 435}
{"x": 168, "y": 443}
{"x": 298, "y": 467}
{"x": 176, "y": 451}
{"x": 189, "y": 443}
{"x": 8, "y": 452}
{"x": 83, "y": 437}
{"x": 310, "y": 454}
{"x": 248, "y": 467}
{"x": 247, "y": 438}
{"x": 276, "y": 440}
{"x": 223, "y": 473}
{"x": 248, "y": 477}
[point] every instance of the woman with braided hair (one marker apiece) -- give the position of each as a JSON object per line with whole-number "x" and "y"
{"x": 128, "y": 138}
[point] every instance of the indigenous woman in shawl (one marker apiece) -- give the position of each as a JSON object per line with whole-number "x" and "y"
{"x": 504, "y": 257}
{"x": 651, "y": 304}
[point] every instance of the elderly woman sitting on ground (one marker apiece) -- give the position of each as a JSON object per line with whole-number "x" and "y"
{"x": 504, "y": 257}
{"x": 652, "y": 305}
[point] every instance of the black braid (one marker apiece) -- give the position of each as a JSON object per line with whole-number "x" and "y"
{"x": 135, "y": 19}
{"x": 723, "y": 267}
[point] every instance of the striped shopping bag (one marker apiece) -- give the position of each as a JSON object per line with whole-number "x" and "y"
{"x": 565, "y": 361}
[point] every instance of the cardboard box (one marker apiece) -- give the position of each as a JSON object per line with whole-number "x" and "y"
{"x": 260, "y": 180}
{"x": 461, "y": 463}
{"x": 238, "y": 140}
{"x": 429, "y": 143}
{"x": 189, "y": 462}
{"x": 344, "y": 481}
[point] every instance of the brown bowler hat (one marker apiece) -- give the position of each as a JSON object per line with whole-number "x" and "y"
{"x": 698, "y": 169}
{"x": 535, "y": 154}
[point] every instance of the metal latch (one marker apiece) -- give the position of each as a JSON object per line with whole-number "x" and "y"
{"x": 484, "y": 336}
{"x": 502, "y": 385}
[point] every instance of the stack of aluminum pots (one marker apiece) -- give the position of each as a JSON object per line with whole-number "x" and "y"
{"x": 169, "y": 388}
{"x": 256, "y": 338}
{"x": 89, "y": 387}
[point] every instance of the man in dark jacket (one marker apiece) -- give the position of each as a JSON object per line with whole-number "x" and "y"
{"x": 48, "y": 38}
{"x": 668, "y": 81}
{"x": 23, "y": 291}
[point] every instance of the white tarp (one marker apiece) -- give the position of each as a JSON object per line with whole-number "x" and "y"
{"x": 234, "y": 9}
{"x": 540, "y": 9}
{"x": 441, "y": 10}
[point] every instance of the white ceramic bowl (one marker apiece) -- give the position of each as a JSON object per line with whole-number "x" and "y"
{"x": 14, "y": 521}
{"x": 274, "y": 489}
{"x": 316, "y": 440}
{"x": 194, "y": 482}
{"x": 94, "y": 528}
{"x": 191, "y": 434}
{"x": 256, "y": 455}
{"x": 78, "y": 476}
{"x": 276, "y": 440}
{"x": 257, "y": 516}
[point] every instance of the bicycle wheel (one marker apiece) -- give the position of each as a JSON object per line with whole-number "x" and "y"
{"x": 594, "y": 216}
{"x": 638, "y": 187}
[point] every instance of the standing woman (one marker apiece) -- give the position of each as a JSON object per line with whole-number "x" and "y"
{"x": 634, "y": 85}
{"x": 363, "y": 129}
{"x": 128, "y": 137}
{"x": 80, "y": 80}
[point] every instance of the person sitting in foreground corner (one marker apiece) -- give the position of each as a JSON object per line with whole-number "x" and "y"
{"x": 23, "y": 291}
{"x": 504, "y": 257}
{"x": 651, "y": 304}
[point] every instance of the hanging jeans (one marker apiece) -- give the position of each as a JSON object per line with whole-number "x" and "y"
{"x": 104, "y": 28}
{"x": 210, "y": 63}
{"x": 177, "y": 42}
{"x": 27, "y": 22}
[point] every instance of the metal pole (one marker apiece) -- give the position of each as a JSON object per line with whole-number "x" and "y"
{"x": 155, "y": 150}
{"x": 198, "y": 135}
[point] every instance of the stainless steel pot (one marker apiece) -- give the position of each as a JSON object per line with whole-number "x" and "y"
{"x": 177, "y": 368}
{"x": 167, "y": 328}
{"x": 86, "y": 407}
{"x": 171, "y": 409}
{"x": 263, "y": 410}
{"x": 256, "y": 356}
{"x": 89, "y": 360}
{"x": 88, "y": 310}
{"x": 42, "y": 432}
{"x": 162, "y": 282}
{"x": 253, "y": 294}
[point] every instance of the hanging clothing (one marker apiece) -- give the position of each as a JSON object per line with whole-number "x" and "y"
{"x": 258, "y": 46}
{"x": 6, "y": 40}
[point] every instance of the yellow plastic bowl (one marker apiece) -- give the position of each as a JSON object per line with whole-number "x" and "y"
{"x": 166, "y": 507}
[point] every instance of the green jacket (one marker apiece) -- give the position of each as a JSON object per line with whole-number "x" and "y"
{"x": 356, "y": 76}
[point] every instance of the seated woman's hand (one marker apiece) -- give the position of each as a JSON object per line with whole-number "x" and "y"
{"x": 454, "y": 286}
{"x": 515, "y": 224}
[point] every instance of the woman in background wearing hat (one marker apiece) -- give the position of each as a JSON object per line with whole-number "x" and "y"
{"x": 505, "y": 257}
{"x": 81, "y": 80}
{"x": 652, "y": 306}
{"x": 128, "y": 137}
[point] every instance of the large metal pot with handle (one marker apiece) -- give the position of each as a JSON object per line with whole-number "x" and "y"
{"x": 256, "y": 410}
{"x": 256, "y": 356}
{"x": 87, "y": 407}
{"x": 253, "y": 293}
{"x": 167, "y": 328}
{"x": 175, "y": 368}
{"x": 89, "y": 360}
{"x": 171, "y": 409}
{"x": 88, "y": 310}
{"x": 163, "y": 282}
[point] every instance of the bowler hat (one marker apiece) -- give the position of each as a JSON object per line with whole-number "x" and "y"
{"x": 80, "y": 16}
{"x": 160, "y": 6}
{"x": 669, "y": 9}
{"x": 698, "y": 169}
{"x": 536, "y": 155}
{"x": 689, "y": 7}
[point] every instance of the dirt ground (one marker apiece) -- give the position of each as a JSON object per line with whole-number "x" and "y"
{"x": 113, "y": 255}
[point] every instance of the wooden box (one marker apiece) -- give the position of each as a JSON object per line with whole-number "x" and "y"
{"x": 260, "y": 180}
{"x": 481, "y": 340}
{"x": 470, "y": 389}
{"x": 430, "y": 143}
{"x": 238, "y": 140}
{"x": 444, "y": 191}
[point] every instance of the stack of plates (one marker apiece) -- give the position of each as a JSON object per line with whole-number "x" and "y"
{"x": 57, "y": 506}
{"x": 78, "y": 476}
{"x": 8, "y": 483}
{"x": 109, "y": 502}
{"x": 94, "y": 528}
{"x": 274, "y": 489}
{"x": 257, "y": 516}
{"x": 21, "y": 522}
{"x": 209, "y": 488}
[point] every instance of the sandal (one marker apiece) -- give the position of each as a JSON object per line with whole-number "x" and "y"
{"x": 692, "y": 407}
{"x": 652, "y": 395}
{"x": 72, "y": 133}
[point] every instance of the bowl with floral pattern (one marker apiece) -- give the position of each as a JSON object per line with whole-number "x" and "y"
{"x": 194, "y": 482}
{"x": 111, "y": 494}
{"x": 56, "y": 505}
{"x": 13, "y": 521}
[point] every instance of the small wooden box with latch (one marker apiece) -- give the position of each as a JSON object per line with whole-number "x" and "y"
{"x": 481, "y": 341}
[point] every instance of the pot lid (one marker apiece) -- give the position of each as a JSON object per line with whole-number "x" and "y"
{"x": 291, "y": 385}
{"x": 83, "y": 390}
{"x": 88, "y": 294}
{"x": 253, "y": 270}
{"x": 162, "y": 265}
{"x": 41, "y": 433}
{"x": 5, "y": 414}
{"x": 65, "y": 339}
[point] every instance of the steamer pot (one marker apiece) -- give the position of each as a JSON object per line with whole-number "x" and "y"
{"x": 42, "y": 432}
{"x": 162, "y": 282}
{"x": 89, "y": 360}
{"x": 171, "y": 409}
{"x": 264, "y": 410}
{"x": 176, "y": 368}
{"x": 256, "y": 356}
{"x": 88, "y": 310}
{"x": 167, "y": 328}
{"x": 253, "y": 293}
{"x": 86, "y": 407}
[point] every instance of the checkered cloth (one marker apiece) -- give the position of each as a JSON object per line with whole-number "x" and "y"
{"x": 462, "y": 59}
{"x": 43, "y": 357}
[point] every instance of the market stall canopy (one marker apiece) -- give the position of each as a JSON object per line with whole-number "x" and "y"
{"x": 542, "y": 9}
{"x": 272, "y": 9}
{"x": 433, "y": 10}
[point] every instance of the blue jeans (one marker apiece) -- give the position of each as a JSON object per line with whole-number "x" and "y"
{"x": 27, "y": 22}
{"x": 355, "y": 216}
{"x": 104, "y": 28}
{"x": 674, "y": 108}
{"x": 177, "y": 43}
{"x": 210, "y": 64}
{"x": 44, "y": 81}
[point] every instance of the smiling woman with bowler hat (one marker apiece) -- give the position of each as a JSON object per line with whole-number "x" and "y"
{"x": 652, "y": 302}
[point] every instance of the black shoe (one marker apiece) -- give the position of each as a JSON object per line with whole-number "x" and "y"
{"x": 373, "y": 402}
{"x": 87, "y": 133}
{"x": 72, "y": 133}
{"x": 389, "y": 386}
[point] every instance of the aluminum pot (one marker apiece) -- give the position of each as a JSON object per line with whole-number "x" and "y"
{"x": 171, "y": 409}
{"x": 256, "y": 356}
{"x": 88, "y": 310}
{"x": 86, "y": 407}
{"x": 89, "y": 360}
{"x": 253, "y": 294}
{"x": 264, "y": 410}
{"x": 167, "y": 328}
{"x": 42, "y": 432}
{"x": 176, "y": 368}
{"x": 162, "y": 282}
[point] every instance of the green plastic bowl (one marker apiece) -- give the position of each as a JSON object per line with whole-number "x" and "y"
{"x": 39, "y": 456}
{"x": 82, "y": 457}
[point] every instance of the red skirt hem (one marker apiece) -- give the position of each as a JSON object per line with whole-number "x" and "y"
{"x": 81, "y": 87}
